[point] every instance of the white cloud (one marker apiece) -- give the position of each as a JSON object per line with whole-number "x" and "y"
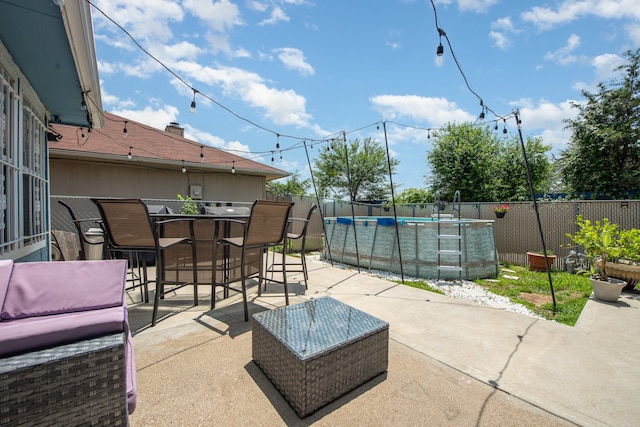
{"x": 283, "y": 107}
{"x": 633, "y": 30}
{"x": 606, "y": 64}
{"x": 480, "y": 6}
{"x": 219, "y": 15}
{"x": 294, "y": 59}
{"x": 277, "y": 15}
{"x": 158, "y": 118}
{"x": 257, "y": 6}
{"x": 214, "y": 141}
{"x": 571, "y": 10}
{"x": 501, "y": 29}
{"x": 548, "y": 118}
{"x": 563, "y": 55}
{"x": 435, "y": 111}
{"x": 144, "y": 19}
{"x": 500, "y": 40}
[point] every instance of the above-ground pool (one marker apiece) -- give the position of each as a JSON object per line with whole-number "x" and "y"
{"x": 430, "y": 248}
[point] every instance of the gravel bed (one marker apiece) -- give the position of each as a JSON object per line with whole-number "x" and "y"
{"x": 464, "y": 290}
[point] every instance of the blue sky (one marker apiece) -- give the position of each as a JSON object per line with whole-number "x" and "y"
{"x": 308, "y": 70}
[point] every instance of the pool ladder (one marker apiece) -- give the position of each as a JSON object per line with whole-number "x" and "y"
{"x": 449, "y": 253}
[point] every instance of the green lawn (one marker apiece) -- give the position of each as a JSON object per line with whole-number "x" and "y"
{"x": 531, "y": 289}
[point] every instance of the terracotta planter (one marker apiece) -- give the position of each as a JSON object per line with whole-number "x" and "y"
{"x": 536, "y": 261}
{"x": 608, "y": 291}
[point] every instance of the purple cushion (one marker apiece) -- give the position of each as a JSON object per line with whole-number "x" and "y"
{"x": 33, "y": 333}
{"x": 6, "y": 267}
{"x": 45, "y": 288}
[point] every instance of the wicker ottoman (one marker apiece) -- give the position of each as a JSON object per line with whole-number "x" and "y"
{"x": 316, "y": 351}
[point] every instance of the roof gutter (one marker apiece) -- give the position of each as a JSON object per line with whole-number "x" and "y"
{"x": 159, "y": 164}
{"x": 76, "y": 15}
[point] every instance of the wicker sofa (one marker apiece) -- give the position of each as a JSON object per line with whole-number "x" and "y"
{"x": 66, "y": 356}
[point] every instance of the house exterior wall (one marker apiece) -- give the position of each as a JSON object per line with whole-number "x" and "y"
{"x": 86, "y": 178}
{"x": 24, "y": 187}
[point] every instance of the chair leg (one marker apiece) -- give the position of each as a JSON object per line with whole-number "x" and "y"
{"x": 284, "y": 273}
{"x": 303, "y": 259}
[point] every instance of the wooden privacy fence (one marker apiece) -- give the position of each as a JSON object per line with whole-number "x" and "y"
{"x": 515, "y": 234}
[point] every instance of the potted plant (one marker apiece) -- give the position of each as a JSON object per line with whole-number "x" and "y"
{"x": 600, "y": 241}
{"x": 501, "y": 210}
{"x": 537, "y": 260}
{"x": 189, "y": 207}
{"x": 442, "y": 204}
{"x": 627, "y": 266}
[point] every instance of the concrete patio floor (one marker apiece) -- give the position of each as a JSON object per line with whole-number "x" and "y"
{"x": 451, "y": 362}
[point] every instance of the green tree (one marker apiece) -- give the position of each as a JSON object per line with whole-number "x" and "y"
{"x": 604, "y": 152}
{"x": 293, "y": 186}
{"x": 415, "y": 196}
{"x": 511, "y": 182}
{"x": 368, "y": 170}
{"x": 463, "y": 158}
{"x": 485, "y": 167}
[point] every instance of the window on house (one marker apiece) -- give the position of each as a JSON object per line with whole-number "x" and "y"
{"x": 9, "y": 168}
{"x": 33, "y": 178}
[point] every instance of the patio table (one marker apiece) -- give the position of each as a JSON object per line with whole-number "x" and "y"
{"x": 316, "y": 351}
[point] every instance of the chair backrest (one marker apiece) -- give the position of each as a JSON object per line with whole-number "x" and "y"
{"x": 268, "y": 222}
{"x": 127, "y": 223}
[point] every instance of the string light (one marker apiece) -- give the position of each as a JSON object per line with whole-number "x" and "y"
{"x": 192, "y": 108}
{"x": 201, "y": 154}
{"x": 233, "y": 167}
{"x": 184, "y": 169}
{"x": 439, "y": 53}
{"x": 272, "y": 157}
{"x": 83, "y": 104}
{"x": 124, "y": 130}
{"x": 129, "y": 155}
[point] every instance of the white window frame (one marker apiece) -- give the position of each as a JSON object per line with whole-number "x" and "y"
{"x": 24, "y": 184}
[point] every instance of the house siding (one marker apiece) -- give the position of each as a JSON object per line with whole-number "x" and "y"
{"x": 92, "y": 178}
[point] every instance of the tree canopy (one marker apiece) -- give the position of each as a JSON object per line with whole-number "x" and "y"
{"x": 483, "y": 166}
{"x": 293, "y": 186}
{"x": 604, "y": 152}
{"x": 366, "y": 178}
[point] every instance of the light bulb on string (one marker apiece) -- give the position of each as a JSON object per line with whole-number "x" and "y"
{"x": 233, "y": 167}
{"x": 129, "y": 155}
{"x": 184, "y": 169}
{"x": 124, "y": 130}
{"x": 504, "y": 129}
{"x": 201, "y": 154}
{"x": 272, "y": 157}
{"x": 428, "y": 133}
{"x": 192, "y": 108}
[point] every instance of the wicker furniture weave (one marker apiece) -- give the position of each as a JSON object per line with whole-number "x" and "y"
{"x": 82, "y": 383}
{"x": 316, "y": 351}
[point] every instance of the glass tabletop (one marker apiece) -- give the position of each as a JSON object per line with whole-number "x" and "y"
{"x": 317, "y": 326}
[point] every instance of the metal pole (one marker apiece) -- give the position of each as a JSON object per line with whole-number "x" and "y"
{"x": 535, "y": 207}
{"x": 321, "y": 206}
{"x": 393, "y": 200}
{"x": 353, "y": 213}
